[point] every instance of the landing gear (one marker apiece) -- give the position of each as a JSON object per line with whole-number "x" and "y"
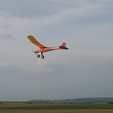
{"x": 42, "y": 56}
{"x": 38, "y": 56}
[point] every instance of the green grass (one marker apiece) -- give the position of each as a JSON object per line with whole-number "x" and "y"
{"x": 56, "y": 106}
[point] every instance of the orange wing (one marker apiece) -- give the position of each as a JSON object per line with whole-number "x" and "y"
{"x": 34, "y": 41}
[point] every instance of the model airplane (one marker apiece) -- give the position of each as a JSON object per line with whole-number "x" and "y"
{"x": 44, "y": 48}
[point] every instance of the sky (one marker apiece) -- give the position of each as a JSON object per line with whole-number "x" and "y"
{"x": 85, "y": 70}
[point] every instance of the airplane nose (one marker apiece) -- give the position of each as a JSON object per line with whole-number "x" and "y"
{"x": 34, "y": 51}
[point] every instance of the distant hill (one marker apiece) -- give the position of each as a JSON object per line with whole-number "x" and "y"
{"x": 78, "y": 100}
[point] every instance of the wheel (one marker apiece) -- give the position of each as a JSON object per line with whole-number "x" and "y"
{"x": 38, "y": 56}
{"x": 42, "y": 57}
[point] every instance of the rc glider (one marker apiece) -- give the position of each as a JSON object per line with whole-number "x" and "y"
{"x": 44, "y": 48}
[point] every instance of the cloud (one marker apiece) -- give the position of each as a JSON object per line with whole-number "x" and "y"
{"x": 6, "y": 36}
{"x": 4, "y": 25}
{"x": 107, "y": 1}
{"x": 29, "y": 9}
{"x": 46, "y": 8}
{"x": 4, "y": 64}
{"x": 64, "y": 15}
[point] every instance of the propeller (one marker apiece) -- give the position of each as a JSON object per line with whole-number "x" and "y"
{"x": 34, "y": 52}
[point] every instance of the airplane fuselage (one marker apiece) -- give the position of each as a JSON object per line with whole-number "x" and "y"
{"x": 45, "y": 50}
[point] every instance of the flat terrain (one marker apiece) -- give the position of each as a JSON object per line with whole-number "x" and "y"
{"x": 51, "y": 106}
{"x": 46, "y": 107}
{"x": 57, "y": 111}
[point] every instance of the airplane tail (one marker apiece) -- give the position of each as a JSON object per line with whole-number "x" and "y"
{"x": 63, "y": 46}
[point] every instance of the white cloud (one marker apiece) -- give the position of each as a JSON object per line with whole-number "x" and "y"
{"x": 4, "y": 64}
{"x": 62, "y": 15}
{"x": 67, "y": 14}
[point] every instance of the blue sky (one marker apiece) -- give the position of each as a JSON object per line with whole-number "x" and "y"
{"x": 85, "y": 70}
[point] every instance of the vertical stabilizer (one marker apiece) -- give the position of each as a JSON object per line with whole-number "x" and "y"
{"x": 63, "y": 46}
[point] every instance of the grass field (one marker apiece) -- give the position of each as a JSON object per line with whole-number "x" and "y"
{"x": 58, "y": 111}
{"x": 50, "y": 106}
{"x": 25, "y": 107}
